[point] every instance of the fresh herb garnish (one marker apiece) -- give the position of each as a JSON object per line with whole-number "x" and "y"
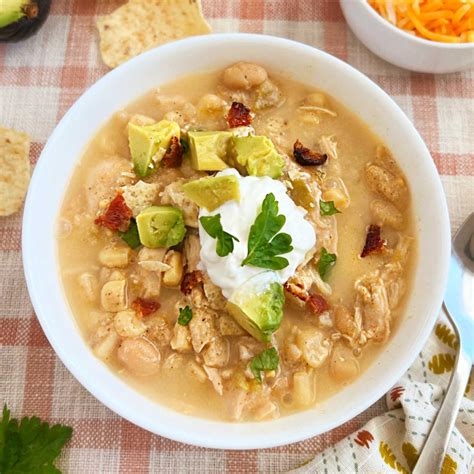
{"x": 131, "y": 236}
{"x": 30, "y": 445}
{"x": 327, "y": 208}
{"x": 184, "y": 145}
{"x": 185, "y": 315}
{"x": 225, "y": 241}
{"x": 265, "y": 244}
{"x": 266, "y": 360}
{"x": 326, "y": 261}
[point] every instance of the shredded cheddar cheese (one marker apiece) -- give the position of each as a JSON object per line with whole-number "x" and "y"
{"x": 448, "y": 21}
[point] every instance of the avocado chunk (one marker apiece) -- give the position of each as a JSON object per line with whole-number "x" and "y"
{"x": 148, "y": 144}
{"x": 161, "y": 226}
{"x": 213, "y": 191}
{"x": 258, "y": 155}
{"x": 257, "y": 305}
{"x": 209, "y": 150}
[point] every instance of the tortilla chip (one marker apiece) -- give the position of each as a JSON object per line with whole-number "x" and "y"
{"x": 15, "y": 170}
{"x": 140, "y": 25}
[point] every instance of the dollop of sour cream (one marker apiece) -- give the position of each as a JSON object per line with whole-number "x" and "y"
{"x": 237, "y": 218}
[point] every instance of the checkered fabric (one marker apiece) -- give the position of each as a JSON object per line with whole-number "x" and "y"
{"x": 41, "y": 77}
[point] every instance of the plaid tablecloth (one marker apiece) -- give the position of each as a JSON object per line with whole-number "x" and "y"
{"x": 41, "y": 78}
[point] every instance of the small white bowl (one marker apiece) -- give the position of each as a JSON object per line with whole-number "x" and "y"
{"x": 401, "y": 48}
{"x": 167, "y": 63}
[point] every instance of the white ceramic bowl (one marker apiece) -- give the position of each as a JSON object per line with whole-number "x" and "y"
{"x": 122, "y": 85}
{"x": 402, "y": 49}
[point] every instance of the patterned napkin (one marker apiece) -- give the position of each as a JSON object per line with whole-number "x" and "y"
{"x": 392, "y": 442}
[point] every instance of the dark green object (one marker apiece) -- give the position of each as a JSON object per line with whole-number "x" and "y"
{"x": 266, "y": 360}
{"x": 327, "y": 208}
{"x": 326, "y": 262}
{"x": 185, "y": 316}
{"x": 265, "y": 244}
{"x": 20, "y": 19}
{"x": 31, "y": 445}
{"x": 225, "y": 241}
{"x": 131, "y": 237}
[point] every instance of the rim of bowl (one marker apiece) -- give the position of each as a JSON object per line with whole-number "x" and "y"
{"x": 416, "y": 39}
{"x": 176, "y": 433}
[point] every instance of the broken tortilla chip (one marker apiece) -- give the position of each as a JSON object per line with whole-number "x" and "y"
{"x": 140, "y": 25}
{"x": 15, "y": 169}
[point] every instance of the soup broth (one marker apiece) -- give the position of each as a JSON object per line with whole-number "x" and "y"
{"x": 337, "y": 316}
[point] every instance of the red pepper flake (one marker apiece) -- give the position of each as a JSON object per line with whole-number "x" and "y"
{"x": 317, "y": 304}
{"x": 117, "y": 215}
{"x": 296, "y": 290}
{"x": 373, "y": 242}
{"x": 174, "y": 155}
{"x": 306, "y": 157}
{"x": 190, "y": 281}
{"x": 238, "y": 115}
{"x": 145, "y": 307}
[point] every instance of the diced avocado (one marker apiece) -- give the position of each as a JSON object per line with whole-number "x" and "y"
{"x": 257, "y": 305}
{"x": 208, "y": 150}
{"x": 258, "y": 155}
{"x": 161, "y": 226}
{"x": 212, "y": 192}
{"x": 148, "y": 144}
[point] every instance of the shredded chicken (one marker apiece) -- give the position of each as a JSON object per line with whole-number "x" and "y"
{"x": 173, "y": 195}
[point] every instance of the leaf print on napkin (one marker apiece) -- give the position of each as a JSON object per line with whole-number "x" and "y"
{"x": 441, "y": 363}
{"x": 364, "y": 438}
{"x": 396, "y": 393}
{"x": 389, "y": 458}
{"x": 446, "y": 335}
{"x": 450, "y": 466}
{"x": 411, "y": 454}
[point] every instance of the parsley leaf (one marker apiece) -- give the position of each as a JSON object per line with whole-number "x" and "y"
{"x": 131, "y": 236}
{"x": 185, "y": 315}
{"x": 327, "y": 208}
{"x": 326, "y": 261}
{"x": 30, "y": 445}
{"x": 225, "y": 242}
{"x": 264, "y": 241}
{"x": 266, "y": 360}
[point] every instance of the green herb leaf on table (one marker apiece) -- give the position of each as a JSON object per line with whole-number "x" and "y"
{"x": 30, "y": 445}
{"x": 225, "y": 241}
{"x": 265, "y": 244}
{"x": 326, "y": 262}
{"x": 266, "y": 360}
{"x": 327, "y": 208}
{"x": 184, "y": 144}
{"x": 185, "y": 316}
{"x": 131, "y": 236}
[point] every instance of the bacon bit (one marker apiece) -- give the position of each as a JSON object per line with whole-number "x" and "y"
{"x": 396, "y": 393}
{"x": 306, "y": 157}
{"x": 364, "y": 438}
{"x": 117, "y": 215}
{"x": 174, "y": 155}
{"x": 296, "y": 290}
{"x": 145, "y": 307}
{"x": 238, "y": 115}
{"x": 190, "y": 281}
{"x": 317, "y": 304}
{"x": 373, "y": 242}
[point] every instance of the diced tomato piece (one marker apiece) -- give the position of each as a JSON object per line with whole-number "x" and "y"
{"x": 317, "y": 304}
{"x": 145, "y": 307}
{"x": 117, "y": 215}
{"x": 174, "y": 155}
{"x": 238, "y": 115}
{"x": 373, "y": 242}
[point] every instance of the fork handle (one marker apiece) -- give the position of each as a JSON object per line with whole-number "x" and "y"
{"x": 435, "y": 446}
